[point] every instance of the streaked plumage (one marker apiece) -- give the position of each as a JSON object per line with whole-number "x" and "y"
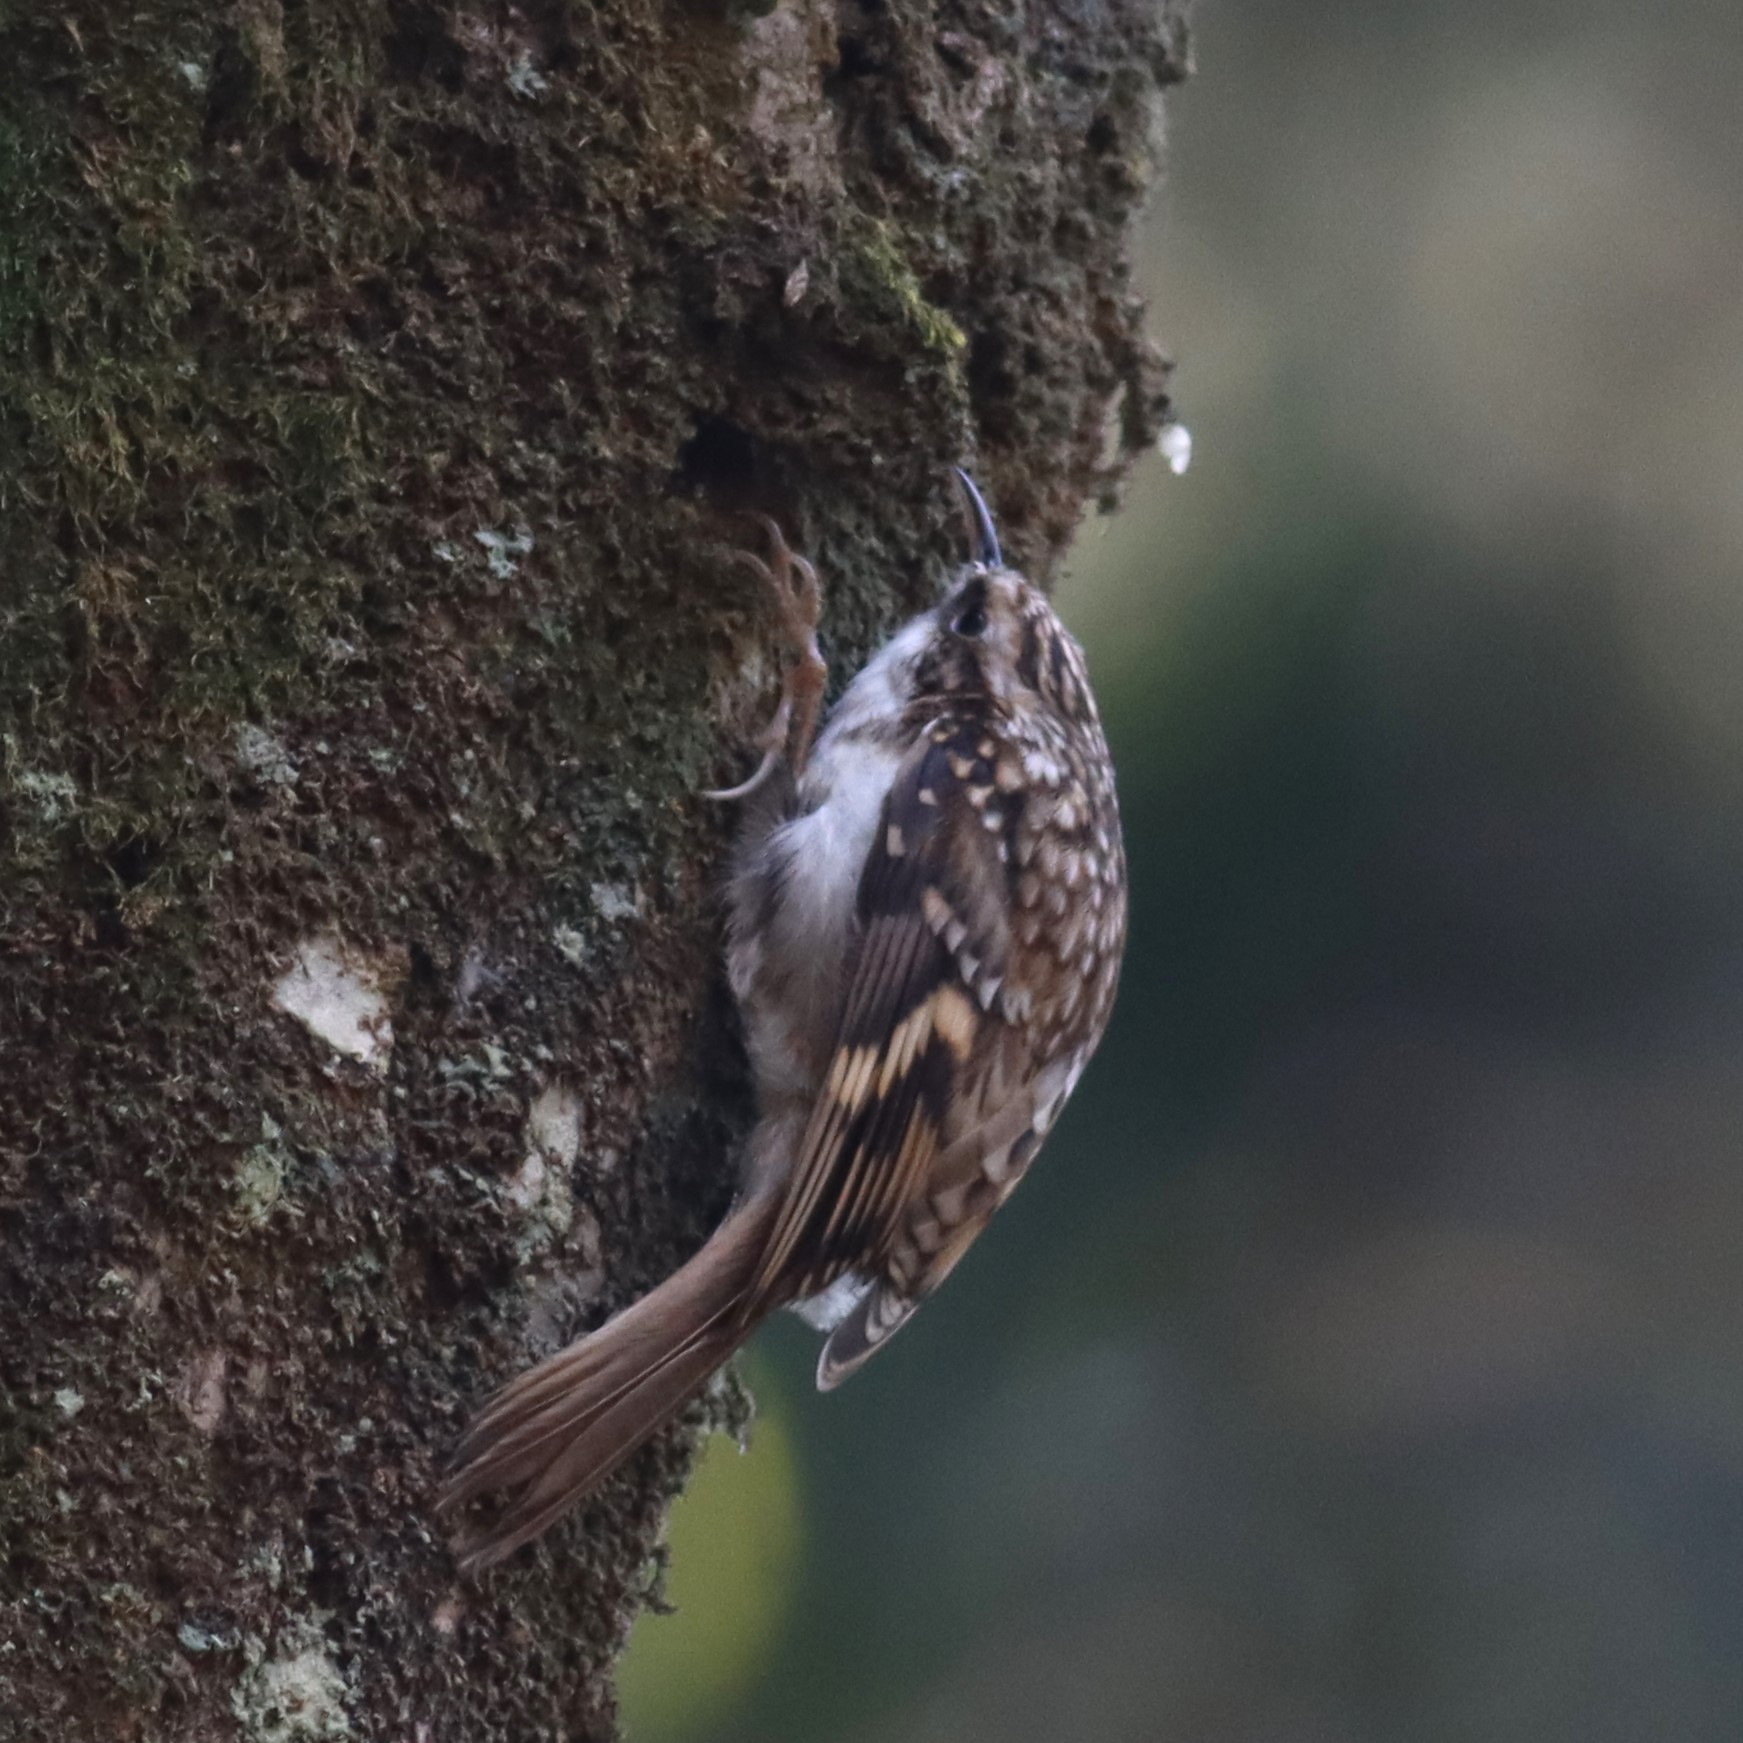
{"x": 927, "y": 916}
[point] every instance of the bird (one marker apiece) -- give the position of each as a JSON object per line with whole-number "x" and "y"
{"x": 926, "y": 918}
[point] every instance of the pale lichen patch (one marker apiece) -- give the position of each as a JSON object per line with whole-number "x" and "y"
{"x": 554, "y": 1123}
{"x": 265, "y": 756}
{"x": 203, "y": 1390}
{"x": 337, "y": 993}
{"x": 503, "y": 551}
{"x": 785, "y": 54}
{"x": 556, "y": 1300}
{"x": 260, "y": 1174}
{"x": 540, "y": 1185}
{"x": 527, "y": 1184}
{"x": 612, "y": 902}
{"x": 296, "y": 1696}
{"x": 53, "y": 797}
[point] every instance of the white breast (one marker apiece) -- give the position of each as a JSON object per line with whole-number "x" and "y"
{"x": 795, "y": 901}
{"x": 841, "y": 798}
{"x": 826, "y": 849}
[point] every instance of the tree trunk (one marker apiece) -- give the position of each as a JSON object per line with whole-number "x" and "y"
{"x": 381, "y": 386}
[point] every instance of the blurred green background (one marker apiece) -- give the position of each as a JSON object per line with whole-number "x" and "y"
{"x": 1364, "y": 1361}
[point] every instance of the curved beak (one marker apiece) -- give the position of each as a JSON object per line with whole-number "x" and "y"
{"x": 985, "y": 538}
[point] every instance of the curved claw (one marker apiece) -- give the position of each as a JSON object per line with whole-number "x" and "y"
{"x": 793, "y": 582}
{"x": 744, "y": 789}
{"x": 773, "y": 739}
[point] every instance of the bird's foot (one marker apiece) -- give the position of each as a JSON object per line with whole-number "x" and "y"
{"x": 793, "y": 582}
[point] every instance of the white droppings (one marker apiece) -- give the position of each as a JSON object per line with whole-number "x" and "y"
{"x": 1175, "y": 443}
{"x": 336, "y": 993}
{"x": 571, "y": 945}
{"x": 69, "y": 1401}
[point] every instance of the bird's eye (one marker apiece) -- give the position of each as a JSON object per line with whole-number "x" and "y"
{"x": 971, "y": 620}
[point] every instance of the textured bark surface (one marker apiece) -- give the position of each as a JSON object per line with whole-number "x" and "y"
{"x": 380, "y": 385}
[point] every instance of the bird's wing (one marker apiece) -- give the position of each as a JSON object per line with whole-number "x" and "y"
{"x": 922, "y": 1036}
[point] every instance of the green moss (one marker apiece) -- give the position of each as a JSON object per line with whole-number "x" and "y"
{"x": 260, "y": 1175}
{"x": 881, "y": 284}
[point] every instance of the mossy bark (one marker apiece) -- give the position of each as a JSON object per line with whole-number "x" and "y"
{"x": 380, "y": 387}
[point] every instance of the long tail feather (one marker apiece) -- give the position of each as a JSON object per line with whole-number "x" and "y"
{"x": 560, "y": 1429}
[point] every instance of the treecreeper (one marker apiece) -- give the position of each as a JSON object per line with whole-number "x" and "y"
{"x": 927, "y": 915}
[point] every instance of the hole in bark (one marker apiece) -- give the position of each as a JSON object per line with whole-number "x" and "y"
{"x": 721, "y": 456}
{"x": 425, "y": 982}
{"x": 445, "y": 1289}
{"x": 133, "y": 860}
{"x": 376, "y": 310}
{"x": 110, "y": 930}
{"x": 989, "y": 367}
{"x": 855, "y": 61}
{"x": 328, "y": 1579}
{"x": 303, "y": 161}
{"x": 230, "y": 89}
{"x": 419, "y": 47}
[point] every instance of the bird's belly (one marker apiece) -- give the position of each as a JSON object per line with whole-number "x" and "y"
{"x": 810, "y": 925}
